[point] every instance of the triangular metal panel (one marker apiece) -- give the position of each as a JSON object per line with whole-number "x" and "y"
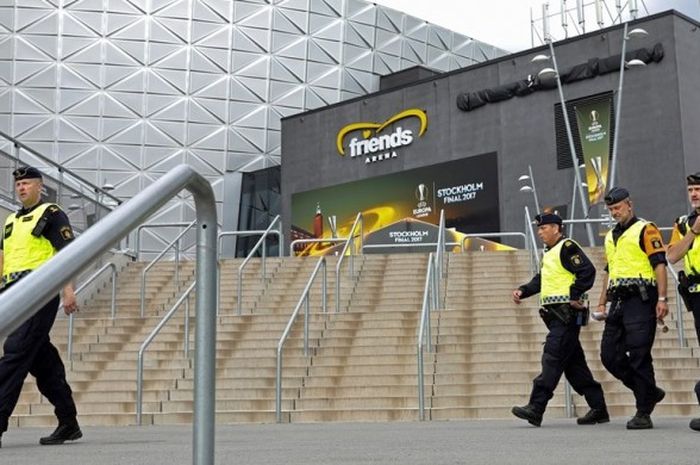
{"x": 360, "y": 11}
{"x": 301, "y": 5}
{"x": 388, "y": 42}
{"x": 259, "y": 37}
{"x": 273, "y": 124}
{"x": 134, "y": 49}
{"x": 180, "y": 28}
{"x": 175, "y": 111}
{"x": 179, "y": 9}
{"x": 318, "y": 70}
{"x": 45, "y": 78}
{"x": 71, "y": 80}
{"x": 177, "y": 80}
{"x": 282, "y": 40}
{"x": 199, "y": 81}
{"x": 329, "y": 96}
{"x": 219, "y": 57}
{"x": 274, "y": 143}
{"x": 439, "y": 37}
{"x": 319, "y": 22}
{"x": 318, "y": 53}
{"x": 217, "y": 107}
{"x": 215, "y": 139}
{"x": 113, "y": 126}
{"x": 255, "y": 136}
{"x": 329, "y": 8}
{"x": 84, "y": 51}
{"x": 331, "y": 79}
{"x": 157, "y": 137}
{"x": 114, "y": 162}
{"x": 248, "y": 90}
{"x": 332, "y": 31}
{"x": 80, "y": 103}
{"x": 244, "y": 43}
{"x": 296, "y": 49}
{"x": 7, "y": 19}
{"x": 202, "y": 12}
{"x": 294, "y": 99}
{"x": 223, "y": 8}
{"x": 36, "y": 21}
{"x": 202, "y": 63}
{"x": 213, "y": 160}
{"x": 123, "y": 6}
{"x": 438, "y": 59}
{"x": 214, "y": 89}
{"x": 157, "y": 52}
{"x": 71, "y": 133}
{"x": 415, "y": 28}
{"x": 254, "y": 119}
{"x": 86, "y": 5}
{"x": 29, "y": 52}
{"x": 463, "y": 47}
{"x": 385, "y": 64}
{"x": 313, "y": 101}
{"x": 254, "y": 164}
{"x": 34, "y": 101}
{"x": 73, "y": 27}
{"x": 199, "y": 114}
{"x": 160, "y": 33}
{"x": 165, "y": 164}
{"x": 81, "y": 159}
{"x": 355, "y": 84}
{"x": 117, "y": 56}
{"x": 45, "y": 44}
{"x": 286, "y": 69}
{"x": 91, "y": 19}
{"x": 357, "y": 57}
{"x": 414, "y": 51}
{"x": 156, "y": 103}
{"x": 174, "y": 129}
{"x": 238, "y": 143}
{"x": 261, "y": 19}
{"x": 125, "y": 79}
{"x": 126, "y": 27}
{"x": 289, "y": 21}
{"x": 219, "y": 39}
{"x": 197, "y": 132}
{"x": 257, "y": 69}
{"x": 25, "y": 124}
{"x": 201, "y": 30}
{"x": 389, "y": 20}
{"x": 359, "y": 35}
{"x": 131, "y": 138}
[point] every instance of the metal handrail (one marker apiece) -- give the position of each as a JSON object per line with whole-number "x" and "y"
{"x": 341, "y": 257}
{"x": 21, "y": 300}
{"x": 139, "y": 366}
{"x": 60, "y": 169}
{"x": 429, "y": 292}
{"x": 496, "y": 234}
{"x": 158, "y": 257}
{"x": 83, "y": 286}
{"x": 154, "y": 226}
{"x": 440, "y": 256}
{"x": 534, "y": 256}
{"x": 321, "y": 263}
{"x": 680, "y": 326}
{"x": 260, "y": 242}
{"x": 295, "y": 242}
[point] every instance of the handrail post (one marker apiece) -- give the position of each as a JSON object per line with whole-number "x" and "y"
{"x": 306, "y": 326}
{"x": 424, "y": 320}
{"x": 261, "y": 242}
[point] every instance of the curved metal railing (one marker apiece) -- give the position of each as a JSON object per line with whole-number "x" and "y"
{"x": 349, "y": 241}
{"x": 175, "y": 242}
{"x": 139, "y": 366}
{"x": 430, "y": 294}
{"x": 680, "y": 326}
{"x": 321, "y": 263}
{"x": 261, "y": 243}
{"x": 83, "y": 286}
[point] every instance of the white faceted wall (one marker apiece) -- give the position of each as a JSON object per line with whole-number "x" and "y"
{"x": 120, "y": 91}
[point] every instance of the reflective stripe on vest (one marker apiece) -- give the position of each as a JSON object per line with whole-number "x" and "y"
{"x": 556, "y": 280}
{"x": 23, "y": 252}
{"x": 691, "y": 261}
{"x": 627, "y": 262}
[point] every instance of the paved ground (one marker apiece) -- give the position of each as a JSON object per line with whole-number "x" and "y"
{"x": 489, "y": 442}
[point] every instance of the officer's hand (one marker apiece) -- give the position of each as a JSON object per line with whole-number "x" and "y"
{"x": 70, "y": 304}
{"x": 696, "y": 224}
{"x": 661, "y": 310}
{"x": 576, "y": 304}
{"x": 516, "y": 296}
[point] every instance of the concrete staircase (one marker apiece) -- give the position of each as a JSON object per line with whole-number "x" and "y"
{"x": 362, "y": 362}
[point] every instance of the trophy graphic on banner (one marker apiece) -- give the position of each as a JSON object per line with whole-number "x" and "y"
{"x": 422, "y": 193}
{"x": 332, "y": 223}
{"x": 597, "y": 165}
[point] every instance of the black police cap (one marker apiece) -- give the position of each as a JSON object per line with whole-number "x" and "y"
{"x": 26, "y": 172}
{"x": 693, "y": 178}
{"x": 548, "y": 218}
{"x": 615, "y": 195}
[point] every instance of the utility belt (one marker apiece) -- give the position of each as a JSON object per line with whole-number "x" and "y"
{"x": 685, "y": 283}
{"x": 564, "y": 313}
{"x": 624, "y": 292}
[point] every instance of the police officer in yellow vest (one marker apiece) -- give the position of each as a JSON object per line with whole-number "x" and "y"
{"x": 31, "y": 237}
{"x": 635, "y": 286}
{"x": 565, "y": 276}
{"x": 683, "y": 245}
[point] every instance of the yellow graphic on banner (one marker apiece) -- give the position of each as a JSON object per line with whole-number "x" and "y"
{"x": 368, "y": 128}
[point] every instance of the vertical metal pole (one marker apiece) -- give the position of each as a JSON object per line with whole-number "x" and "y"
{"x": 187, "y": 327}
{"x": 278, "y": 386}
{"x": 70, "y": 337}
{"x": 205, "y": 337}
{"x": 114, "y": 291}
{"x": 240, "y": 293}
{"x": 534, "y": 189}
{"x": 139, "y": 388}
{"x": 264, "y": 253}
{"x": 572, "y": 147}
{"x": 177, "y": 265}
{"x": 306, "y": 324}
{"x": 324, "y": 286}
{"x": 421, "y": 388}
{"x": 618, "y": 108}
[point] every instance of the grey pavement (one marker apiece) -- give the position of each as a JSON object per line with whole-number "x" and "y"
{"x": 492, "y": 442}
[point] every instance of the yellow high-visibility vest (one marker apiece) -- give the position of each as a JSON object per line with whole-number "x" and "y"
{"x": 627, "y": 262}
{"x": 556, "y": 280}
{"x": 23, "y": 252}
{"x": 691, "y": 260}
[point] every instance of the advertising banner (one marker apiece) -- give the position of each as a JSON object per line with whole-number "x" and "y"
{"x": 400, "y": 210}
{"x": 593, "y": 120}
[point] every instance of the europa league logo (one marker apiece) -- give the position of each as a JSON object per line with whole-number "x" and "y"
{"x": 594, "y": 117}
{"x": 421, "y": 195}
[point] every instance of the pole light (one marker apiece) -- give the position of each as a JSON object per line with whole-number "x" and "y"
{"x": 530, "y": 186}
{"x": 633, "y": 34}
{"x": 554, "y": 72}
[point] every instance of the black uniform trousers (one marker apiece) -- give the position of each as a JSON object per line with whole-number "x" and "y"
{"x": 563, "y": 354}
{"x": 29, "y": 350}
{"x": 694, "y": 301}
{"x": 625, "y": 349}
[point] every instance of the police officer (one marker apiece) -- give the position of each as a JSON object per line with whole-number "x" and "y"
{"x": 683, "y": 245}
{"x": 31, "y": 237}
{"x": 635, "y": 286}
{"x": 565, "y": 276}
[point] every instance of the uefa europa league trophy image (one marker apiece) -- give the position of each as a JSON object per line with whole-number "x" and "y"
{"x": 597, "y": 165}
{"x": 332, "y": 222}
{"x": 422, "y": 192}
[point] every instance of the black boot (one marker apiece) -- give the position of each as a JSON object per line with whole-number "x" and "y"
{"x": 695, "y": 424}
{"x": 528, "y": 413}
{"x": 594, "y": 416}
{"x": 640, "y": 421}
{"x": 67, "y": 431}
